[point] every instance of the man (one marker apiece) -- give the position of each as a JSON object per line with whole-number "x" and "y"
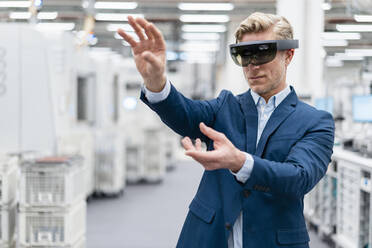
{"x": 265, "y": 148}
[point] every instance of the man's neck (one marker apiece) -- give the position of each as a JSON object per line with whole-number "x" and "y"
{"x": 273, "y": 92}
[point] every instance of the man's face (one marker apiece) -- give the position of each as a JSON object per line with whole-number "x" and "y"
{"x": 267, "y": 79}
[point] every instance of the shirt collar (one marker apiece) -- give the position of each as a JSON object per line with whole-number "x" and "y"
{"x": 277, "y": 98}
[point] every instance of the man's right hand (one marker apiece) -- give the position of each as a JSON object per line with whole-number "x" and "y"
{"x": 149, "y": 53}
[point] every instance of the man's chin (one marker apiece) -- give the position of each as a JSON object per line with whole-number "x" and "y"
{"x": 259, "y": 89}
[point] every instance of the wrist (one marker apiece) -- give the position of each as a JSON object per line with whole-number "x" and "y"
{"x": 239, "y": 161}
{"x": 158, "y": 87}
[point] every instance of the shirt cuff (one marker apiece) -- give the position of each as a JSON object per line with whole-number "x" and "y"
{"x": 155, "y": 97}
{"x": 245, "y": 172}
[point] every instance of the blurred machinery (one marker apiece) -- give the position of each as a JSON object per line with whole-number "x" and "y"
{"x": 26, "y": 106}
{"x": 149, "y": 146}
{"x": 109, "y": 138}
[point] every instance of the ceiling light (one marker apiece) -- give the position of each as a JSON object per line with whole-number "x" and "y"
{"x": 341, "y": 36}
{"x": 345, "y": 56}
{"x": 359, "y": 52}
{"x": 200, "y": 36}
{"x": 47, "y": 15}
{"x": 335, "y": 43}
{"x": 353, "y": 28}
{"x": 204, "y": 28}
{"x": 115, "y": 27}
{"x": 326, "y": 6}
{"x": 38, "y": 3}
{"x": 204, "y": 18}
{"x": 15, "y": 4}
{"x": 197, "y": 57}
{"x": 115, "y": 16}
{"x": 115, "y": 5}
{"x": 55, "y": 26}
{"x": 200, "y": 46}
{"x": 363, "y": 18}
{"x": 20, "y": 15}
{"x": 206, "y": 6}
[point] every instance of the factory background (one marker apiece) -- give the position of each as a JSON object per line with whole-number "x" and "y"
{"x": 84, "y": 163}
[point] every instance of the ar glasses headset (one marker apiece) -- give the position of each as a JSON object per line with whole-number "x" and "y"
{"x": 259, "y": 52}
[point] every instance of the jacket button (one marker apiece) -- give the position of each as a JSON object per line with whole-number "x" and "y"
{"x": 228, "y": 226}
{"x": 246, "y": 193}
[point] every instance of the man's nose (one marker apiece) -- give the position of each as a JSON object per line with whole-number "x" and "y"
{"x": 251, "y": 67}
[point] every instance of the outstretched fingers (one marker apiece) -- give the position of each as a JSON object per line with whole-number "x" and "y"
{"x": 137, "y": 28}
{"x": 127, "y": 38}
{"x": 187, "y": 144}
{"x": 157, "y": 36}
{"x": 146, "y": 26}
{"x": 198, "y": 144}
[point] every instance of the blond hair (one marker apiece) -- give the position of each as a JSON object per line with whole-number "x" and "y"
{"x": 260, "y": 22}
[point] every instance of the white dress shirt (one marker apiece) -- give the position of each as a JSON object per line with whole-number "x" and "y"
{"x": 264, "y": 112}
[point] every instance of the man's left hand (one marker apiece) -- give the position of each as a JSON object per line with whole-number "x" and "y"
{"x": 225, "y": 154}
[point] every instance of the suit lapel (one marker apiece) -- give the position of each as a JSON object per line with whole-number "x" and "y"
{"x": 278, "y": 116}
{"x": 251, "y": 120}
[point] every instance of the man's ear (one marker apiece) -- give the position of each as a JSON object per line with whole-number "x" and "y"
{"x": 288, "y": 56}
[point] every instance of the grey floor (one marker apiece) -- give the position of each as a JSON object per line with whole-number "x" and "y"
{"x": 148, "y": 216}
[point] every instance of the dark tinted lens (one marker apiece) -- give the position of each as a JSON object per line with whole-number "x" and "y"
{"x": 254, "y": 54}
{"x": 264, "y": 55}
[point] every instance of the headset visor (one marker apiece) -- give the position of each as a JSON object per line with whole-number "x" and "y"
{"x": 259, "y": 52}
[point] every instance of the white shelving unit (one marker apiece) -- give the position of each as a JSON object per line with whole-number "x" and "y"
{"x": 340, "y": 205}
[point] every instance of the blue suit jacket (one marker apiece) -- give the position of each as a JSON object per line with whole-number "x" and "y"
{"x": 292, "y": 155}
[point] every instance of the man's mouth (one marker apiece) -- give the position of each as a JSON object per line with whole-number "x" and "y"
{"x": 256, "y": 77}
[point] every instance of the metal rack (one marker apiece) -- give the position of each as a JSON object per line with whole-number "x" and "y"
{"x": 134, "y": 162}
{"x": 154, "y": 155}
{"x": 52, "y": 182}
{"x": 52, "y": 209}
{"x": 109, "y": 169}
{"x": 47, "y": 227}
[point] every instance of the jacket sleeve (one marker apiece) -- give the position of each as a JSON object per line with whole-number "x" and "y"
{"x": 304, "y": 166}
{"x": 183, "y": 115}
